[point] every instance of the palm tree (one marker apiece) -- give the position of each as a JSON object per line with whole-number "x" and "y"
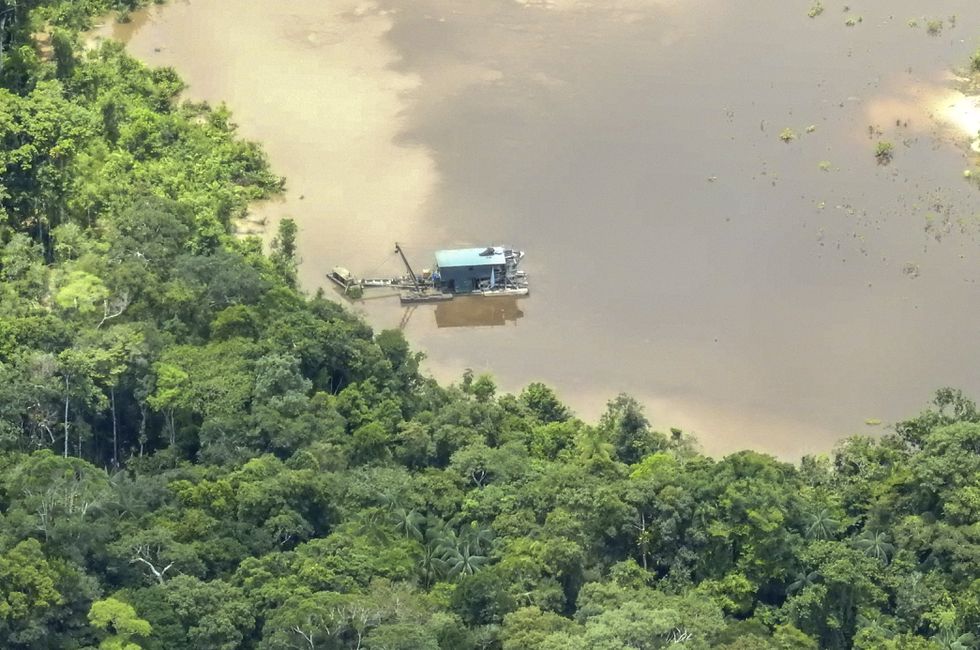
{"x": 875, "y": 545}
{"x": 803, "y": 580}
{"x": 479, "y": 537}
{"x": 820, "y": 525}
{"x": 388, "y": 499}
{"x": 593, "y": 446}
{"x": 407, "y": 522}
{"x": 464, "y": 560}
{"x": 463, "y": 554}
{"x": 372, "y": 523}
{"x": 953, "y": 640}
{"x": 430, "y": 563}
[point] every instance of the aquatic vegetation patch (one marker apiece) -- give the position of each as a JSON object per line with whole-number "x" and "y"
{"x": 884, "y": 152}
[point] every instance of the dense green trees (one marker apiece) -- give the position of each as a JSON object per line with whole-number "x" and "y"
{"x": 120, "y": 621}
{"x": 193, "y": 454}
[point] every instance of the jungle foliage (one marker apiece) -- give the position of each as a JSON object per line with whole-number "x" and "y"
{"x": 195, "y": 454}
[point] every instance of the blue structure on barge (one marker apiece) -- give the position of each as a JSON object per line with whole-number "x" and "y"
{"x": 470, "y": 270}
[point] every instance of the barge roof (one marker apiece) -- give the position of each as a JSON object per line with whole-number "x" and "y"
{"x": 471, "y": 257}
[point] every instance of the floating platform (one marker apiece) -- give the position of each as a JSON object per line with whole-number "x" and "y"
{"x": 514, "y": 292}
{"x": 490, "y": 272}
{"x": 414, "y": 298}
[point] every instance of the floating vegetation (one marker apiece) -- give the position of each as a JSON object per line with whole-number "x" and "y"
{"x": 934, "y": 27}
{"x": 811, "y": 128}
{"x": 884, "y": 151}
{"x": 910, "y": 270}
{"x": 940, "y": 219}
{"x": 824, "y": 165}
{"x": 815, "y": 10}
{"x": 913, "y": 23}
{"x": 787, "y": 135}
{"x": 853, "y": 20}
{"x": 873, "y": 422}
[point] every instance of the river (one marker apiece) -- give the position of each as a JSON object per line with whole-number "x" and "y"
{"x": 759, "y": 293}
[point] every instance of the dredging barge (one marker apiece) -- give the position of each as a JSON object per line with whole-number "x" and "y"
{"x": 489, "y": 271}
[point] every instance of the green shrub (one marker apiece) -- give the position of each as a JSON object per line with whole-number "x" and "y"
{"x": 884, "y": 151}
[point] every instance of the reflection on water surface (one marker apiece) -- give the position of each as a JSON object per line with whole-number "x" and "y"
{"x": 478, "y": 312}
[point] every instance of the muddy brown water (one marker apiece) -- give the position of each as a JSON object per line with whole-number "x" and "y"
{"x": 760, "y": 293}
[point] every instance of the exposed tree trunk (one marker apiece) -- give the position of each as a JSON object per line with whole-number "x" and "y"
{"x": 643, "y": 530}
{"x": 641, "y": 527}
{"x": 66, "y": 416}
{"x": 306, "y": 637}
{"x": 3, "y": 36}
{"x": 115, "y": 435}
{"x": 169, "y": 414}
{"x": 40, "y": 228}
{"x": 142, "y": 434}
{"x": 119, "y": 305}
{"x": 141, "y": 553}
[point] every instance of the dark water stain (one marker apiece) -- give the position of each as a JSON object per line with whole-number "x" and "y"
{"x": 753, "y": 290}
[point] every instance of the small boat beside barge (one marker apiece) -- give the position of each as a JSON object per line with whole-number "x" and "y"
{"x": 341, "y": 277}
{"x": 489, "y": 271}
